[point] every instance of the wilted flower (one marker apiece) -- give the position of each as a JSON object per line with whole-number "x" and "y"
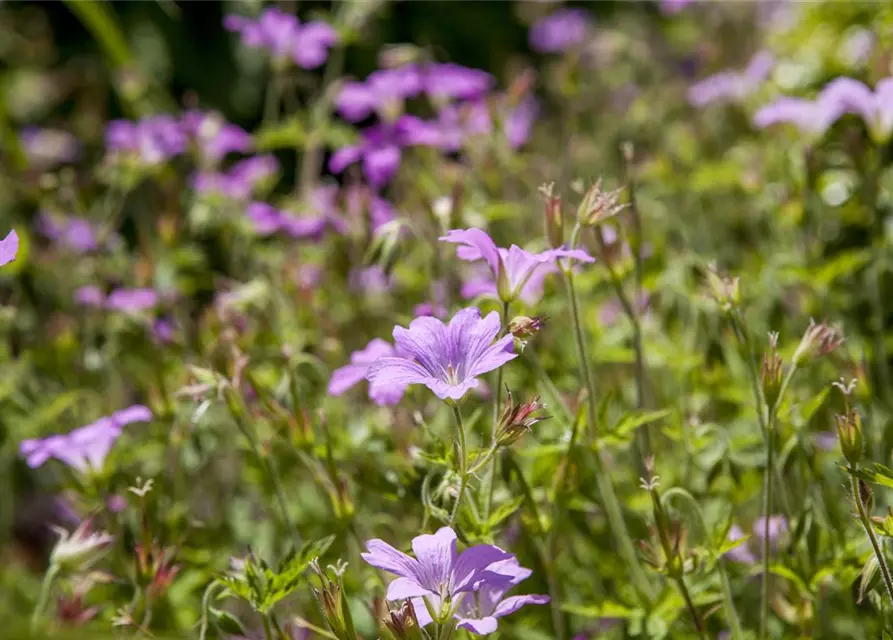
{"x": 403, "y": 623}
{"x": 80, "y": 549}
{"x": 517, "y": 419}
{"x": 438, "y": 575}
{"x": 382, "y": 393}
{"x": 511, "y": 268}
{"x": 560, "y": 31}
{"x": 819, "y": 340}
{"x": 9, "y": 247}
{"x": 598, "y": 205}
{"x": 84, "y": 448}
{"x": 554, "y": 216}
{"x": 524, "y": 327}
{"x": 725, "y": 291}
{"x": 446, "y": 358}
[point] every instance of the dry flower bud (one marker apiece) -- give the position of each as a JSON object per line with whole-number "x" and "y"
{"x": 849, "y": 432}
{"x": 517, "y": 419}
{"x": 819, "y": 340}
{"x": 724, "y": 290}
{"x": 598, "y": 205}
{"x": 554, "y": 216}
{"x": 523, "y": 327}
{"x": 771, "y": 371}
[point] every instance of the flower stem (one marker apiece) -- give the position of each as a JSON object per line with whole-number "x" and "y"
{"x": 268, "y": 630}
{"x": 43, "y": 596}
{"x": 768, "y": 476}
{"x": 603, "y": 480}
{"x": 690, "y": 605}
{"x": 462, "y": 455}
{"x": 865, "y": 518}
{"x": 497, "y": 396}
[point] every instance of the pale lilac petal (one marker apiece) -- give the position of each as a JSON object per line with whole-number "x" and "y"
{"x": 397, "y": 371}
{"x": 344, "y": 378}
{"x": 344, "y": 157}
{"x": 451, "y": 391}
{"x": 136, "y": 413}
{"x": 471, "y": 564}
{"x": 481, "y": 286}
{"x": 355, "y": 101}
{"x": 403, "y": 588}
{"x": 265, "y": 218}
{"x": 9, "y": 247}
{"x": 481, "y": 627}
{"x": 562, "y": 30}
{"x": 380, "y": 165}
{"x": 383, "y": 556}
{"x": 421, "y": 612}
{"x": 513, "y": 603}
{"x": 519, "y": 122}
{"x": 386, "y": 393}
{"x": 132, "y": 299}
{"x": 474, "y": 245}
{"x": 435, "y": 554}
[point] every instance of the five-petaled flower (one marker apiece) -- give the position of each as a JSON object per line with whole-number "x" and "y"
{"x": 512, "y": 268}
{"x": 446, "y": 358}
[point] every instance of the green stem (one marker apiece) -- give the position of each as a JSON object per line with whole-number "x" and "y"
{"x": 462, "y": 455}
{"x": 268, "y": 629}
{"x": 43, "y": 596}
{"x": 869, "y": 531}
{"x": 603, "y": 480}
{"x": 690, "y": 605}
{"x": 490, "y": 482}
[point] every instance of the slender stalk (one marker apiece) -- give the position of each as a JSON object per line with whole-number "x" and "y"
{"x": 768, "y": 476}
{"x": 490, "y": 482}
{"x": 864, "y": 518}
{"x": 44, "y": 595}
{"x": 690, "y": 605}
{"x": 268, "y": 630}
{"x": 462, "y": 455}
{"x": 603, "y": 480}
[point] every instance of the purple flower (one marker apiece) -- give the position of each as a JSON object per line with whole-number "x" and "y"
{"x": 448, "y": 81}
{"x": 826, "y": 440}
{"x": 457, "y": 123}
{"x": 84, "y": 448}
{"x": 778, "y": 527}
{"x": 240, "y": 180}
{"x": 731, "y": 86}
{"x": 811, "y": 117}
{"x": 383, "y": 393}
{"x": 478, "y": 612}
{"x": 74, "y": 233}
{"x": 438, "y": 573}
{"x": 379, "y": 148}
{"x": 875, "y": 108}
{"x": 446, "y": 358}
{"x": 163, "y": 330}
{"x": 90, "y": 296}
{"x": 362, "y": 203}
{"x": 284, "y": 37}
{"x": 268, "y": 220}
{"x": 214, "y": 136}
{"x": 741, "y": 553}
{"x": 484, "y": 284}
{"x": 382, "y": 91}
{"x": 563, "y": 30}
{"x": 511, "y": 268}
{"x": 9, "y": 247}
{"x": 153, "y": 140}
{"x": 131, "y": 299}
{"x": 430, "y": 309}
{"x": 372, "y": 279}
{"x": 46, "y": 148}
{"x": 519, "y": 122}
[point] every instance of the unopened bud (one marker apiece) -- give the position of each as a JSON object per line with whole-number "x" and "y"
{"x": 819, "y": 340}
{"x": 517, "y": 419}
{"x": 849, "y": 432}
{"x": 77, "y": 551}
{"x": 598, "y": 205}
{"x": 866, "y": 495}
{"x": 724, "y": 290}
{"x": 554, "y": 216}
{"x": 771, "y": 372}
{"x": 504, "y": 288}
{"x": 385, "y": 247}
{"x": 524, "y": 328}
{"x": 403, "y": 623}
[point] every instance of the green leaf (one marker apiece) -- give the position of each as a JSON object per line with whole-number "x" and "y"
{"x": 628, "y": 424}
{"x": 504, "y": 511}
{"x": 808, "y": 409}
{"x": 868, "y": 575}
{"x": 285, "y": 135}
{"x": 728, "y": 545}
{"x": 877, "y": 474}
{"x": 227, "y": 622}
{"x": 607, "y": 609}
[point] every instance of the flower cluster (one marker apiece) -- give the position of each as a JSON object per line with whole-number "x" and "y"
{"x": 441, "y": 583}
{"x": 306, "y": 45}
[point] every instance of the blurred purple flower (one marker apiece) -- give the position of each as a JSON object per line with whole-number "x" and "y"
{"x": 731, "y": 86}
{"x": 90, "y": 296}
{"x": 284, "y": 37}
{"x": 778, "y": 527}
{"x": 430, "y": 309}
{"x": 214, "y": 136}
{"x": 826, "y": 441}
{"x": 154, "y": 140}
{"x": 446, "y": 358}
{"x": 240, "y": 180}
{"x": 383, "y": 393}
{"x": 511, "y": 268}
{"x": 669, "y": 7}
{"x": 438, "y": 572}
{"x": 519, "y": 121}
{"x": 163, "y": 330}
{"x": 362, "y": 203}
{"x": 84, "y": 448}
{"x": 383, "y": 91}
{"x": 75, "y": 233}
{"x": 370, "y": 280}
{"x": 456, "y": 123}
{"x": 875, "y": 107}
{"x": 9, "y": 247}
{"x": 46, "y": 148}
{"x": 479, "y": 614}
{"x": 741, "y": 553}
{"x": 448, "y": 81}
{"x": 483, "y": 283}
{"x": 560, "y": 31}
{"x": 379, "y": 148}
{"x": 269, "y": 220}
{"x": 813, "y": 118}
{"x": 612, "y": 310}
{"x": 116, "y": 503}
{"x": 131, "y": 299}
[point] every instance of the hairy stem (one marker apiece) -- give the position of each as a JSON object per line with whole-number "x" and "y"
{"x": 490, "y": 483}
{"x": 690, "y": 605}
{"x": 462, "y": 455}
{"x": 43, "y": 596}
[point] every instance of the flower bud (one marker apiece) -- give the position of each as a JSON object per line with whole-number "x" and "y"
{"x": 516, "y": 419}
{"x": 598, "y": 205}
{"x": 403, "y": 623}
{"x": 771, "y": 372}
{"x": 819, "y": 340}
{"x": 331, "y": 600}
{"x": 79, "y": 550}
{"x": 849, "y": 432}
{"x": 524, "y": 328}
{"x": 554, "y": 217}
{"x": 724, "y": 290}
{"x": 503, "y": 285}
